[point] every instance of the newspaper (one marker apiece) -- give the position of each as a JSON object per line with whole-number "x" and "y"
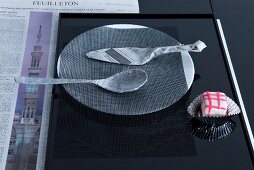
{"x": 28, "y": 32}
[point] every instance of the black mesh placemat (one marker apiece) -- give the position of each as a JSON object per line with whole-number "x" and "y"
{"x": 84, "y": 133}
{"x": 166, "y": 79}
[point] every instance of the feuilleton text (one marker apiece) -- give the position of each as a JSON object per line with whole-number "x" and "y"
{"x": 53, "y": 3}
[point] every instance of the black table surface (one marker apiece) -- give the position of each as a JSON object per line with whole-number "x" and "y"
{"x": 238, "y": 25}
{"x": 66, "y": 146}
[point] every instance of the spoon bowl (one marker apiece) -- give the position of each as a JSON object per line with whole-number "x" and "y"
{"x": 125, "y": 81}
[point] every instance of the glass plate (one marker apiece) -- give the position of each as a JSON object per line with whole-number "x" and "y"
{"x": 169, "y": 76}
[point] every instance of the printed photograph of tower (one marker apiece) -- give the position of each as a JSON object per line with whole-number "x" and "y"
{"x": 24, "y": 142}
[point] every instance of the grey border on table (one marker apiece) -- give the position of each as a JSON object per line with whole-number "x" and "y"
{"x": 237, "y": 88}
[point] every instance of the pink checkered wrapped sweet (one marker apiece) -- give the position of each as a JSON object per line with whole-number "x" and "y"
{"x": 214, "y": 104}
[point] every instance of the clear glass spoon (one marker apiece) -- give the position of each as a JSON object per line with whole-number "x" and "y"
{"x": 125, "y": 81}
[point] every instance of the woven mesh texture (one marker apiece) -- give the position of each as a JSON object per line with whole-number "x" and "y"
{"x": 166, "y": 80}
{"x": 82, "y": 132}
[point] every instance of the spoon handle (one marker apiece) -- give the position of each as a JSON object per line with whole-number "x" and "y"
{"x": 36, "y": 80}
